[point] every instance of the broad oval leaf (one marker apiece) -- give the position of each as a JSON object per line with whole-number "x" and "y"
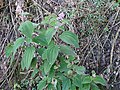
{"x": 99, "y": 80}
{"x": 52, "y": 54}
{"x": 27, "y": 57}
{"x": 67, "y": 50}
{"x": 70, "y": 38}
{"x": 27, "y": 28}
{"x": 49, "y": 34}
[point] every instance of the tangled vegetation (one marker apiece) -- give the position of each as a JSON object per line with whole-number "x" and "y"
{"x": 60, "y": 44}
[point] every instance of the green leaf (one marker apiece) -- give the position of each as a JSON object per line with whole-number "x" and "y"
{"x": 47, "y": 66}
{"x": 17, "y": 44}
{"x": 52, "y": 54}
{"x": 46, "y": 20}
{"x": 100, "y": 80}
{"x": 94, "y": 87}
{"x": 41, "y": 51}
{"x": 71, "y": 58}
{"x": 118, "y": 1}
{"x": 49, "y": 34}
{"x": 12, "y": 48}
{"x": 63, "y": 65}
{"x": 60, "y": 75}
{"x": 77, "y": 81}
{"x": 35, "y": 25}
{"x": 41, "y": 39}
{"x": 79, "y": 69}
{"x": 27, "y": 57}
{"x": 41, "y": 84}
{"x": 58, "y": 85}
{"x": 50, "y": 87}
{"x": 70, "y": 38}
{"x": 66, "y": 84}
{"x": 27, "y": 28}
{"x": 8, "y": 50}
{"x": 52, "y": 72}
{"x": 86, "y": 80}
{"x": 44, "y": 55}
{"x": 28, "y": 40}
{"x": 67, "y": 50}
{"x": 34, "y": 72}
{"x": 33, "y": 63}
{"x": 73, "y": 87}
{"x": 86, "y": 87}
